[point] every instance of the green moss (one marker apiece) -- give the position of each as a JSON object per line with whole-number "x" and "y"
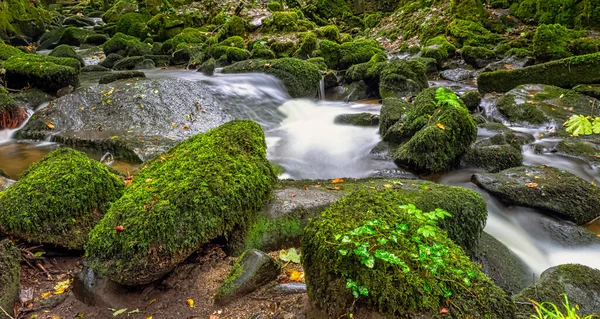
{"x": 392, "y": 292}
{"x": 525, "y": 112}
{"x": 284, "y": 49}
{"x": 132, "y": 24}
{"x": 471, "y": 33}
{"x": 235, "y": 41}
{"x": 262, "y": 52}
{"x": 44, "y": 72}
{"x": 550, "y": 42}
{"x": 220, "y": 19}
{"x": 125, "y": 45}
{"x": 439, "y": 49}
{"x": 208, "y": 186}
{"x": 332, "y": 8}
{"x": 492, "y": 155}
{"x": 285, "y": 21}
{"x": 96, "y": 39}
{"x": 582, "y": 149}
{"x": 119, "y": 8}
{"x": 372, "y": 20}
{"x": 229, "y": 286}
{"x": 357, "y": 51}
{"x": 402, "y": 78}
{"x": 578, "y": 15}
{"x": 308, "y": 45}
{"x": 270, "y": 234}
{"x": 392, "y": 110}
{"x": 10, "y": 272}
{"x": 301, "y": 78}
{"x": 274, "y": 6}
{"x": 329, "y": 32}
{"x": 519, "y": 53}
{"x": 66, "y": 51}
{"x": 590, "y": 90}
{"x": 7, "y": 51}
{"x": 189, "y": 36}
{"x": 472, "y": 100}
{"x": 74, "y": 36}
{"x": 477, "y": 56}
{"x": 330, "y": 51}
{"x": 235, "y": 26}
{"x": 208, "y": 67}
{"x": 22, "y": 18}
{"x": 436, "y": 136}
{"x": 564, "y": 73}
{"x": 59, "y": 199}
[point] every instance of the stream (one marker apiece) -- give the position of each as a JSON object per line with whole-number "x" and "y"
{"x": 303, "y": 139}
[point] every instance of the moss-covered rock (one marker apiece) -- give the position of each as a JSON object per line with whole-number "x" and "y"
{"x": 215, "y": 184}
{"x": 110, "y": 60}
{"x": 434, "y": 134}
{"x": 126, "y": 45}
{"x": 439, "y": 49}
{"x": 274, "y": 6}
{"x": 404, "y": 289}
{"x": 235, "y": 26}
{"x": 59, "y": 199}
{"x": 566, "y": 73}
{"x": 392, "y": 111}
{"x": 208, "y": 67}
{"x": 471, "y": 33}
{"x": 472, "y": 100}
{"x": 74, "y": 36}
{"x": 550, "y": 41}
{"x": 578, "y": 15}
{"x": 494, "y": 154}
{"x": 546, "y": 188}
{"x": 301, "y": 78}
{"x": 47, "y": 73}
{"x": 10, "y": 273}
{"x": 357, "y": 51}
{"x": 8, "y": 51}
{"x": 589, "y": 90}
{"x": 478, "y": 57}
{"x": 19, "y": 19}
{"x": 66, "y": 51}
{"x": 359, "y": 119}
{"x": 109, "y": 78}
{"x": 285, "y": 21}
{"x": 580, "y": 283}
{"x": 329, "y": 32}
{"x": 252, "y": 270}
{"x": 402, "y": 78}
{"x": 119, "y": 8}
{"x": 132, "y": 23}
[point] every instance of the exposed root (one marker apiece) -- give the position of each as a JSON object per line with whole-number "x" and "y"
{"x": 12, "y": 118}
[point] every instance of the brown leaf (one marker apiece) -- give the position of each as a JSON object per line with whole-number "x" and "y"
{"x": 532, "y": 185}
{"x": 119, "y": 229}
{"x": 49, "y": 124}
{"x": 334, "y": 188}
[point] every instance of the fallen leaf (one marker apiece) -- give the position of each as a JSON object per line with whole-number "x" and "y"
{"x": 190, "y": 303}
{"x": 531, "y": 185}
{"x": 388, "y": 186}
{"x": 185, "y": 127}
{"x": 334, "y": 188}
{"x": 149, "y": 180}
{"x": 292, "y": 195}
{"x": 337, "y": 181}
{"x": 306, "y": 187}
{"x": 152, "y": 301}
{"x": 49, "y": 124}
{"x": 59, "y": 291}
{"x": 295, "y": 275}
{"x": 444, "y": 311}
{"x": 440, "y": 125}
{"x": 46, "y": 294}
{"x": 291, "y": 255}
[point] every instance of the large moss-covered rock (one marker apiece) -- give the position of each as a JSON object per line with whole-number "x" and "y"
{"x": 133, "y": 24}
{"x": 439, "y": 49}
{"x": 301, "y": 78}
{"x": 550, "y": 42}
{"x": 434, "y": 134}
{"x": 75, "y": 36}
{"x": 496, "y": 153}
{"x": 20, "y": 18}
{"x": 358, "y": 51}
{"x": 576, "y": 15}
{"x": 125, "y": 45}
{"x": 47, "y": 73}
{"x": 252, "y": 270}
{"x": 392, "y": 111}
{"x": 478, "y": 57}
{"x": 590, "y": 90}
{"x": 66, "y": 51}
{"x": 402, "y": 78}
{"x": 206, "y": 187}
{"x": 566, "y": 73}
{"x": 10, "y": 272}
{"x": 119, "y": 8}
{"x": 413, "y": 286}
{"x": 59, "y": 199}
{"x": 580, "y": 283}
{"x": 545, "y": 188}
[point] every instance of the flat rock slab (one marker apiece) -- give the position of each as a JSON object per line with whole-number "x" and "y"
{"x": 132, "y": 119}
{"x": 545, "y": 188}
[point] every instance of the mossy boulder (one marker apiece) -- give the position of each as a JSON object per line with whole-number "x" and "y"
{"x": 470, "y": 33}
{"x": 392, "y": 111}
{"x": 472, "y": 100}
{"x": 330, "y": 51}
{"x": 217, "y": 181}
{"x": 59, "y": 199}
{"x": 478, "y": 57}
{"x": 585, "y": 147}
{"x": 357, "y": 51}
{"x": 576, "y": 16}
{"x": 252, "y": 270}
{"x": 118, "y": 9}
{"x": 407, "y": 289}
{"x": 359, "y": 119}
{"x": 10, "y": 273}
{"x": 565, "y": 73}
{"x": 402, "y": 78}
{"x": 126, "y": 45}
{"x": 235, "y": 26}
{"x": 589, "y": 90}
{"x": 96, "y": 39}
{"x": 109, "y": 78}
{"x": 66, "y": 51}
{"x": 580, "y": 283}
{"x": 301, "y": 78}
{"x": 285, "y": 21}
{"x": 208, "y": 67}
{"x": 133, "y": 24}
{"x": 189, "y": 36}
{"x": 495, "y": 153}
{"x": 8, "y": 51}
{"x": 274, "y": 6}
{"x": 434, "y": 135}
{"x": 550, "y": 42}
{"x": 329, "y": 32}
{"x": 546, "y": 188}
{"x": 47, "y": 73}
{"x": 74, "y": 36}
{"x": 110, "y": 60}
{"x": 128, "y": 63}
{"x": 226, "y": 55}
{"x": 438, "y": 48}
{"x": 21, "y": 19}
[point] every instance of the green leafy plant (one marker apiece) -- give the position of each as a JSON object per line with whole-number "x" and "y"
{"x": 548, "y": 310}
{"x": 583, "y": 125}
{"x": 373, "y": 242}
{"x": 447, "y": 97}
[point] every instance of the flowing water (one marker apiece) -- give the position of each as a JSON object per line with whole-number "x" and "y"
{"x": 303, "y": 139}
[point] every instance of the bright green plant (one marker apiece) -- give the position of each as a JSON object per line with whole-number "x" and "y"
{"x": 548, "y": 310}
{"x": 372, "y": 243}
{"x": 447, "y": 97}
{"x": 583, "y": 125}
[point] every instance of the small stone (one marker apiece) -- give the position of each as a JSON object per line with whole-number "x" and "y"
{"x": 290, "y": 288}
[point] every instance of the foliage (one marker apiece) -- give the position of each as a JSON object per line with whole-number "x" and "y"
{"x": 583, "y": 125}
{"x": 447, "y": 97}
{"x": 548, "y": 310}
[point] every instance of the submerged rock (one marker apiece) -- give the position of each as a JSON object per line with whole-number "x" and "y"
{"x": 59, "y": 199}
{"x": 133, "y": 120}
{"x": 207, "y": 187}
{"x": 251, "y": 271}
{"x": 580, "y": 283}
{"x": 546, "y": 188}
{"x": 402, "y": 287}
{"x": 10, "y": 272}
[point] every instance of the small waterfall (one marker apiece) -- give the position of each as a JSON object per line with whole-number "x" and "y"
{"x": 322, "y": 88}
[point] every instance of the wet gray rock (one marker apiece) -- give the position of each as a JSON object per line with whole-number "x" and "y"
{"x": 32, "y": 98}
{"x": 394, "y": 173}
{"x": 290, "y": 288}
{"x": 93, "y": 289}
{"x": 112, "y": 77}
{"x": 208, "y": 67}
{"x": 132, "y": 120}
{"x": 561, "y": 232}
{"x": 456, "y": 75}
{"x": 501, "y": 265}
{"x": 360, "y": 119}
{"x": 252, "y": 270}
{"x": 128, "y": 63}
{"x": 330, "y": 80}
{"x": 145, "y": 65}
{"x": 10, "y": 272}
{"x": 547, "y": 188}
{"x": 356, "y": 91}
{"x": 78, "y": 21}
{"x": 580, "y": 283}
{"x": 509, "y": 63}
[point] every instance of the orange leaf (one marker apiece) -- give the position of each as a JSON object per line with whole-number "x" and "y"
{"x": 295, "y": 275}
{"x": 119, "y": 229}
{"x": 190, "y": 303}
{"x": 185, "y": 127}
{"x": 531, "y": 185}
{"x": 440, "y": 125}
{"x": 49, "y": 124}
{"x": 334, "y": 188}
{"x": 337, "y": 181}
{"x": 444, "y": 311}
